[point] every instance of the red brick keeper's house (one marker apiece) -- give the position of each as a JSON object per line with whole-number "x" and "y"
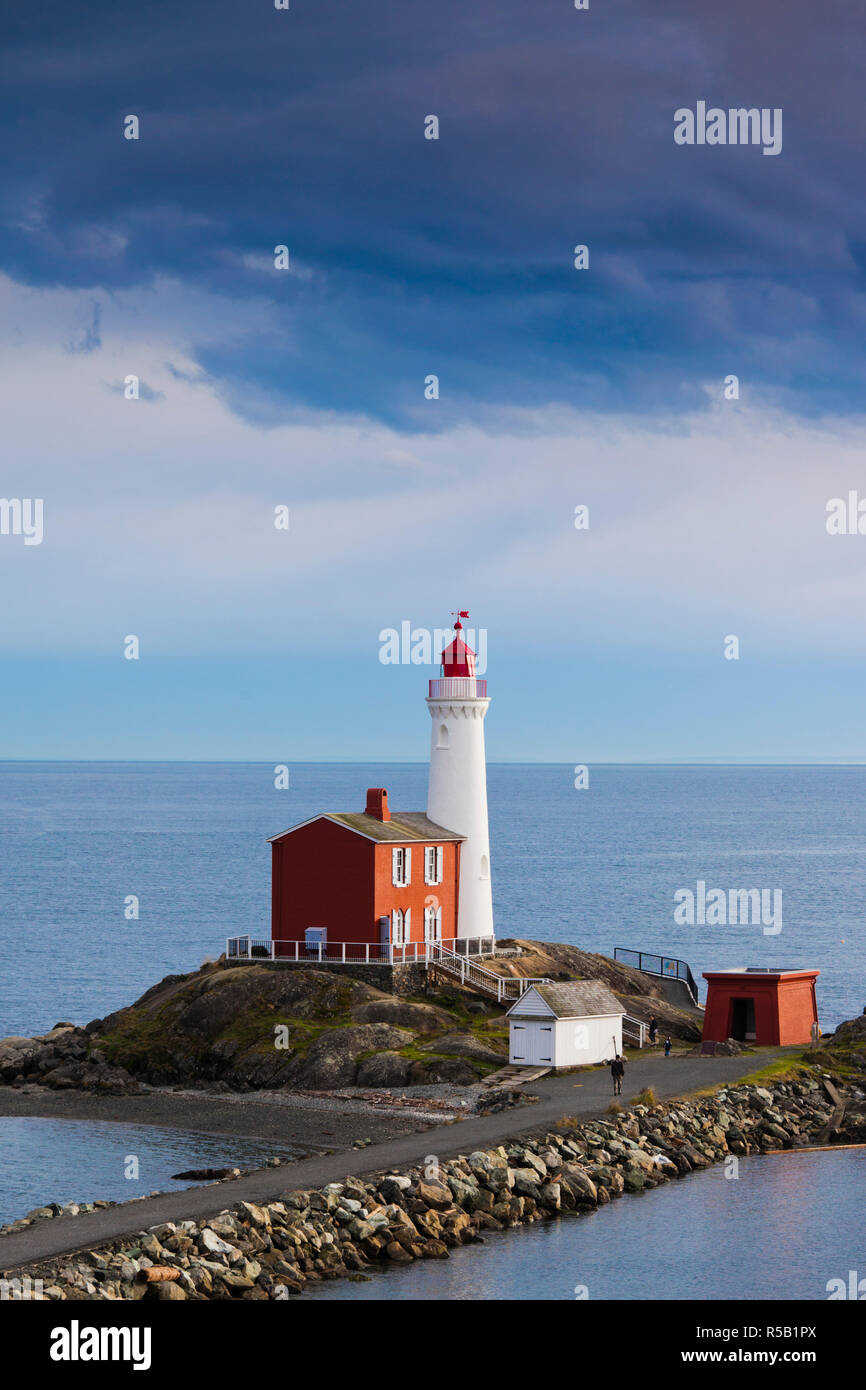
{"x": 365, "y": 885}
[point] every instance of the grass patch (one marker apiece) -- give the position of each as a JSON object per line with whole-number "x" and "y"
{"x": 784, "y": 1069}
{"x": 646, "y": 1097}
{"x": 614, "y": 1108}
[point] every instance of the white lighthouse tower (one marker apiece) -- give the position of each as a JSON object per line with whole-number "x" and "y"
{"x": 457, "y": 791}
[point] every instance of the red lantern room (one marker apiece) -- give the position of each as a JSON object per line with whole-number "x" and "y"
{"x": 457, "y": 658}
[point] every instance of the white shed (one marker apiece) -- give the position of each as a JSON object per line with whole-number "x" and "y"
{"x": 567, "y": 1025}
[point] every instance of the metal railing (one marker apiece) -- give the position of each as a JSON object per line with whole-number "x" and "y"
{"x": 668, "y": 967}
{"x": 240, "y": 948}
{"x": 458, "y": 688}
{"x": 634, "y": 1029}
{"x": 498, "y": 987}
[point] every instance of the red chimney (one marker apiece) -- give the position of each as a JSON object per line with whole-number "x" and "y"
{"x": 377, "y": 803}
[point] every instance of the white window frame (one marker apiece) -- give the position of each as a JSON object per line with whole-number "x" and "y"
{"x": 401, "y": 866}
{"x": 398, "y": 927}
{"x": 433, "y": 860}
{"x": 432, "y": 924}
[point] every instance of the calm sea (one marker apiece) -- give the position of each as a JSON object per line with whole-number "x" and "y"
{"x": 44, "y": 1161}
{"x": 597, "y": 867}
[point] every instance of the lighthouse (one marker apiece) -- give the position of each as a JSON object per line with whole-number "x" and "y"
{"x": 457, "y": 790}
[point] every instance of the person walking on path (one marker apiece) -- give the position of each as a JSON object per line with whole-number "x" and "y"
{"x": 617, "y": 1071}
{"x": 667, "y": 1046}
{"x": 653, "y": 1030}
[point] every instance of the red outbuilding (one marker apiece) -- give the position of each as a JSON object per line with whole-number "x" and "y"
{"x": 364, "y": 886}
{"x": 758, "y": 1005}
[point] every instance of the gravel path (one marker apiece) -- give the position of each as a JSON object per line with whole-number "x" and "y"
{"x": 583, "y": 1093}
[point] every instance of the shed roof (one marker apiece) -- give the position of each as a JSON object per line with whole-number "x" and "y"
{"x": 403, "y": 827}
{"x": 574, "y": 999}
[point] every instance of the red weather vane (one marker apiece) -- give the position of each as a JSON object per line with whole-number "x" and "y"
{"x": 461, "y": 613}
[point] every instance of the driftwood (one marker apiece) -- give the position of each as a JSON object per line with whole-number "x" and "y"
{"x": 158, "y": 1274}
{"x": 202, "y": 1174}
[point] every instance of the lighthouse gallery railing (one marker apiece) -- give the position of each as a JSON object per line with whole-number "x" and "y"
{"x": 458, "y": 688}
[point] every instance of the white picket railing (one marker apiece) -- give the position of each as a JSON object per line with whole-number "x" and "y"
{"x": 244, "y": 948}
{"x": 457, "y": 958}
{"x": 634, "y": 1030}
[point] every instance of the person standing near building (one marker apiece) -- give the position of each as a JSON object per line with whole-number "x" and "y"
{"x": 617, "y": 1071}
{"x": 653, "y": 1030}
{"x": 668, "y": 1046}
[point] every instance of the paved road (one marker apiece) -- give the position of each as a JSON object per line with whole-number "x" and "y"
{"x": 581, "y": 1093}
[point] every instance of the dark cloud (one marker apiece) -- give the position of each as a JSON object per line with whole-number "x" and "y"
{"x": 305, "y": 127}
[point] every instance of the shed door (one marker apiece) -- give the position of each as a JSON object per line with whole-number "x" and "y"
{"x": 544, "y": 1044}
{"x": 532, "y": 1043}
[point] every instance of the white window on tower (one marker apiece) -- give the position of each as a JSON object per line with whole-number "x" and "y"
{"x": 397, "y": 926}
{"x": 442, "y": 741}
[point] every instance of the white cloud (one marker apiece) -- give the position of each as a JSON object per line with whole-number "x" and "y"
{"x": 158, "y": 516}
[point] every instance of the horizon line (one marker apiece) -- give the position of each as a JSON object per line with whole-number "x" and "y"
{"x": 741, "y": 761}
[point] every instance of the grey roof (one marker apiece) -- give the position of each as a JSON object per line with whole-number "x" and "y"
{"x": 577, "y": 999}
{"x": 403, "y": 827}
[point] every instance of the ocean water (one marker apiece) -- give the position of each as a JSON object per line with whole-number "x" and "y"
{"x": 690, "y": 1239}
{"x": 597, "y": 867}
{"x": 44, "y": 1161}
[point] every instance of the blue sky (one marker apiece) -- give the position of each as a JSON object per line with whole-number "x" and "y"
{"x": 305, "y": 387}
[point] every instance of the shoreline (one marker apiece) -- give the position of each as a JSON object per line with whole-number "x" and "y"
{"x": 347, "y": 1228}
{"x": 308, "y": 1123}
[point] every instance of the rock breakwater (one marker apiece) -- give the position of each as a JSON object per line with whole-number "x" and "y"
{"x": 347, "y": 1229}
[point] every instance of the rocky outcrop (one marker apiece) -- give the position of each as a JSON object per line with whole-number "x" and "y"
{"x": 465, "y": 1045}
{"x": 332, "y": 1060}
{"x": 251, "y": 1027}
{"x": 852, "y": 1031}
{"x": 350, "y": 1227}
{"x": 401, "y": 1013}
{"x": 61, "y": 1059}
{"x": 641, "y": 995}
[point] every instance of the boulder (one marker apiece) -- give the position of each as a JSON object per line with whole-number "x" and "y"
{"x": 434, "y": 1194}
{"x": 580, "y": 1183}
{"x": 331, "y": 1061}
{"x": 401, "y": 1013}
{"x": 453, "y": 1071}
{"x": 465, "y": 1045}
{"x": 527, "y": 1183}
{"x": 383, "y": 1069}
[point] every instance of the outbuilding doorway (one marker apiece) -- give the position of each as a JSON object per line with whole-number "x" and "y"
{"x": 742, "y": 1019}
